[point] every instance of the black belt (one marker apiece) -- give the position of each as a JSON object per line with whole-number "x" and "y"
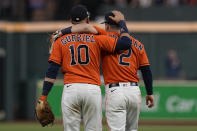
{"x": 117, "y": 84}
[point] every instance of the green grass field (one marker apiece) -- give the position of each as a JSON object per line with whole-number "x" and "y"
{"x": 36, "y": 127}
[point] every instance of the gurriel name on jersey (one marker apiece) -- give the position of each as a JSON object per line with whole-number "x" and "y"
{"x": 77, "y": 37}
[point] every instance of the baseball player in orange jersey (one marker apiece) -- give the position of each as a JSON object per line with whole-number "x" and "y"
{"x": 79, "y": 57}
{"x": 123, "y": 96}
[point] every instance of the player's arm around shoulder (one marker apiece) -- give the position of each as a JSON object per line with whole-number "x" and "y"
{"x": 83, "y": 28}
{"x": 79, "y": 28}
{"x": 111, "y": 44}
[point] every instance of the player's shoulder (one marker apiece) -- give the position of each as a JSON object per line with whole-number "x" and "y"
{"x": 100, "y": 30}
{"x": 101, "y": 36}
{"x": 59, "y": 39}
{"x": 113, "y": 34}
{"x": 135, "y": 40}
{"x": 104, "y": 38}
{"x": 136, "y": 43}
{"x": 96, "y": 27}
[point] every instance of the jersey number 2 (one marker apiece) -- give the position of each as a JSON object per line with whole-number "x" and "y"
{"x": 72, "y": 51}
{"x": 123, "y": 55}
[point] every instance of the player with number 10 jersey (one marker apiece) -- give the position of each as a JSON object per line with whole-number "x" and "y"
{"x": 79, "y": 56}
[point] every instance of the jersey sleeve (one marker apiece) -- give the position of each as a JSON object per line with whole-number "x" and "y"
{"x": 142, "y": 56}
{"x": 106, "y": 43}
{"x": 101, "y": 31}
{"x": 56, "y": 53}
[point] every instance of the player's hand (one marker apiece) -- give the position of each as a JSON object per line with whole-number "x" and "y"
{"x": 55, "y": 35}
{"x": 150, "y": 102}
{"x": 43, "y": 98}
{"x": 53, "y": 38}
{"x": 118, "y": 16}
{"x": 44, "y": 113}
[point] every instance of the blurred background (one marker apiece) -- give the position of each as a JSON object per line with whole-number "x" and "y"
{"x": 167, "y": 28}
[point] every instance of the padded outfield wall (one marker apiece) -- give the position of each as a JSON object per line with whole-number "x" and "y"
{"x": 173, "y": 99}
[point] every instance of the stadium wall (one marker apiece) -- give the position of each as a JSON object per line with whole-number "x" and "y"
{"x": 26, "y": 49}
{"x": 173, "y": 100}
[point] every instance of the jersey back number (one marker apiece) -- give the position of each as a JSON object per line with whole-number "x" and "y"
{"x": 78, "y": 53}
{"x": 125, "y": 55}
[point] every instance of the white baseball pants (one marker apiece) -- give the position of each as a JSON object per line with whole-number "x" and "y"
{"x": 122, "y": 107}
{"x": 82, "y": 101}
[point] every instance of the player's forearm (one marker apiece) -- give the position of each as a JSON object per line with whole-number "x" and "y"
{"x": 123, "y": 43}
{"x": 79, "y": 28}
{"x": 46, "y": 89}
{"x": 83, "y": 28}
{"x": 123, "y": 29}
{"x": 147, "y": 77}
{"x": 50, "y": 77}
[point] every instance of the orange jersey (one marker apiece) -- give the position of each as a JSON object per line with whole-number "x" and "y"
{"x": 123, "y": 67}
{"x": 79, "y": 56}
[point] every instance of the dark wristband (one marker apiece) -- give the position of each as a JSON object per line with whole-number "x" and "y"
{"x": 47, "y": 87}
{"x": 66, "y": 30}
{"x": 123, "y": 27}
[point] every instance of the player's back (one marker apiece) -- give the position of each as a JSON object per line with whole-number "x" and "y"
{"x": 123, "y": 67}
{"x": 79, "y": 56}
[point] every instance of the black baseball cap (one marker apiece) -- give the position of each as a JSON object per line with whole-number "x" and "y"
{"x": 78, "y": 13}
{"x": 108, "y": 20}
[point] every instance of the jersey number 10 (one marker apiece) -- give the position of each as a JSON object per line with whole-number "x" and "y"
{"x": 78, "y": 53}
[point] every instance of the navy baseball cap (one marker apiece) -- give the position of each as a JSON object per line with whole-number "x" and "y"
{"x": 108, "y": 20}
{"x": 78, "y": 13}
